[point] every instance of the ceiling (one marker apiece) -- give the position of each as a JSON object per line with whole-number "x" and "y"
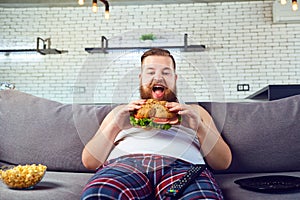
{"x": 73, "y": 3}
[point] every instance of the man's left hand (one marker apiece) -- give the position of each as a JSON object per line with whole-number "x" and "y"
{"x": 190, "y": 114}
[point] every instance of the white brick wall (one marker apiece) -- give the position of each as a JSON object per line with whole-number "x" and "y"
{"x": 244, "y": 46}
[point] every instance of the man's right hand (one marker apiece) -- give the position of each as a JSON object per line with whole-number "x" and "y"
{"x": 121, "y": 114}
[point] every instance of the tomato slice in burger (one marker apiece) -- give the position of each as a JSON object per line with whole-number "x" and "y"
{"x": 137, "y": 117}
{"x": 160, "y": 120}
{"x": 174, "y": 120}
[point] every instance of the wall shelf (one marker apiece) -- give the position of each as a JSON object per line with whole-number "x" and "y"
{"x": 45, "y": 50}
{"x": 8, "y": 51}
{"x": 105, "y": 49}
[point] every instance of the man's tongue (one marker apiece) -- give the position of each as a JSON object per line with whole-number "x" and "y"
{"x": 158, "y": 93}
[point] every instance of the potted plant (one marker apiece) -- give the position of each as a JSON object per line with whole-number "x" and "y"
{"x": 149, "y": 36}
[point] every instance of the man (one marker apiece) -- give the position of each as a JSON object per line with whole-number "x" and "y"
{"x": 137, "y": 163}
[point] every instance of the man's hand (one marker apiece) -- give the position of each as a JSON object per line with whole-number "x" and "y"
{"x": 122, "y": 113}
{"x": 190, "y": 114}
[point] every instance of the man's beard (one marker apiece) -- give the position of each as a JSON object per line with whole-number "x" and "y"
{"x": 169, "y": 95}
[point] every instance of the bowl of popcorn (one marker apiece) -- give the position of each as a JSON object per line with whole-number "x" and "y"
{"x": 22, "y": 176}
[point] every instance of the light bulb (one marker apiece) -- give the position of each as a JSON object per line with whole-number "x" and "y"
{"x": 294, "y": 5}
{"x": 95, "y": 6}
{"x": 106, "y": 14}
{"x": 81, "y": 2}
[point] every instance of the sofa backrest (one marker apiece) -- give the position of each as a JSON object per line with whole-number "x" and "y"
{"x": 37, "y": 130}
{"x": 264, "y": 136}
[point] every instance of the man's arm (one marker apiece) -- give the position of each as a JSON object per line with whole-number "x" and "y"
{"x": 216, "y": 152}
{"x": 99, "y": 147}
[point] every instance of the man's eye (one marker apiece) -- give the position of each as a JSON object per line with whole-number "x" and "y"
{"x": 166, "y": 72}
{"x": 150, "y": 73}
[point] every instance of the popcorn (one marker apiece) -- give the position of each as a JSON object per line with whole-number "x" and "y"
{"x": 21, "y": 177}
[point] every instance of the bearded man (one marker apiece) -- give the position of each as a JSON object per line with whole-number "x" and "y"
{"x": 138, "y": 163}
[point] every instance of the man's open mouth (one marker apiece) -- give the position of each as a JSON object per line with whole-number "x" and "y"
{"x": 158, "y": 91}
{"x": 158, "y": 88}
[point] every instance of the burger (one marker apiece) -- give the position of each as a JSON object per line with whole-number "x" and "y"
{"x": 154, "y": 114}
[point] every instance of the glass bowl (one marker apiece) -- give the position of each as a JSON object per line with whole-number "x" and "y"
{"x": 22, "y": 176}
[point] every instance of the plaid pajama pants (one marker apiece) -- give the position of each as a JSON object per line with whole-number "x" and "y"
{"x": 148, "y": 177}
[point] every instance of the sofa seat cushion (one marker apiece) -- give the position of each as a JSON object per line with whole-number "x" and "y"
{"x": 233, "y": 191}
{"x": 54, "y": 185}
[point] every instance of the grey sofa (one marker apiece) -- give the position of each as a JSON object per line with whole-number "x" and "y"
{"x": 264, "y": 138}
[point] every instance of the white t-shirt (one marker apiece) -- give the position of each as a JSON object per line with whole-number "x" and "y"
{"x": 178, "y": 142}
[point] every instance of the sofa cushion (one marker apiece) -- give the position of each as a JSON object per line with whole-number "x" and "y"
{"x": 264, "y": 136}
{"x": 37, "y": 130}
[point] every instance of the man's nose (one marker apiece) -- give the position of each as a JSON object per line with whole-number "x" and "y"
{"x": 158, "y": 77}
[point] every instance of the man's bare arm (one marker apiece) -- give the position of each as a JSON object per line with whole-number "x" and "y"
{"x": 216, "y": 152}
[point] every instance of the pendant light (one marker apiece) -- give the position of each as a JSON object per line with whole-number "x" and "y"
{"x": 81, "y": 2}
{"x": 106, "y": 14}
{"x": 294, "y": 5}
{"x": 94, "y": 6}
